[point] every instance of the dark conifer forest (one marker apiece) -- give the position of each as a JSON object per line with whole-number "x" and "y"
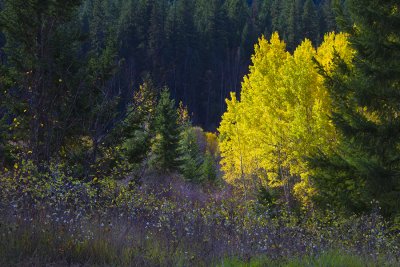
{"x": 199, "y": 133}
{"x": 199, "y": 49}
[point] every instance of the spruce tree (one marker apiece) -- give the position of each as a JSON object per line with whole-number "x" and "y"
{"x": 165, "y": 149}
{"x": 366, "y": 166}
{"x": 191, "y": 159}
{"x": 136, "y": 128}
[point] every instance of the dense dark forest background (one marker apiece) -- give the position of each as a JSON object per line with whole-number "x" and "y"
{"x": 199, "y": 49}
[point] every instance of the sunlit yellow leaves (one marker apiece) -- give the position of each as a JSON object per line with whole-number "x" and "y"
{"x": 282, "y": 115}
{"x": 334, "y": 43}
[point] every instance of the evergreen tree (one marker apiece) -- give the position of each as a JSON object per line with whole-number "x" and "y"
{"x": 136, "y": 129}
{"x": 209, "y": 168}
{"x": 191, "y": 158}
{"x": 276, "y": 17}
{"x": 200, "y": 49}
{"x": 366, "y": 164}
{"x": 237, "y": 14}
{"x": 92, "y": 54}
{"x": 156, "y": 37}
{"x": 292, "y": 22}
{"x": 98, "y": 29}
{"x": 5, "y": 115}
{"x": 41, "y": 46}
{"x": 165, "y": 149}
{"x": 327, "y": 17}
{"x": 310, "y": 21}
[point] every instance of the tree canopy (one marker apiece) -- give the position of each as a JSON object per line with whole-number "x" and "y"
{"x": 282, "y": 117}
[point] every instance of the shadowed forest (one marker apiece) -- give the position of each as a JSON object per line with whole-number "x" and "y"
{"x": 199, "y": 133}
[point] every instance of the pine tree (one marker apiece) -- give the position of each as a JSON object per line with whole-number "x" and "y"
{"x": 136, "y": 129}
{"x": 366, "y": 165}
{"x": 165, "y": 149}
{"x": 191, "y": 159}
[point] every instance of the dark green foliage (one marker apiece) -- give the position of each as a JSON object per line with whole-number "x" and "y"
{"x": 327, "y": 20}
{"x": 5, "y": 118}
{"x": 40, "y": 44}
{"x": 136, "y": 147}
{"x": 366, "y": 166}
{"x": 61, "y": 87}
{"x": 209, "y": 168}
{"x": 136, "y": 129}
{"x": 197, "y": 163}
{"x": 266, "y": 197}
{"x": 69, "y": 67}
{"x": 192, "y": 159}
{"x": 165, "y": 149}
{"x": 199, "y": 49}
{"x": 5, "y": 155}
{"x": 310, "y": 21}
{"x": 288, "y": 21}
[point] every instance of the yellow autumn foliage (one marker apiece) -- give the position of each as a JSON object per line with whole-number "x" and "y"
{"x": 282, "y": 115}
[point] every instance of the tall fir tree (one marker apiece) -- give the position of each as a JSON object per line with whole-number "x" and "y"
{"x": 136, "y": 129}
{"x": 366, "y": 166}
{"x": 165, "y": 148}
{"x": 191, "y": 159}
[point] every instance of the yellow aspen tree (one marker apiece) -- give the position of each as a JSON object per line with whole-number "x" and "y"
{"x": 282, "y": 116}
{"x": 245, "y": 122}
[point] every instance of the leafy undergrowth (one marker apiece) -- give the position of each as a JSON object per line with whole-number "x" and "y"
{"x": 54, "y": 220}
